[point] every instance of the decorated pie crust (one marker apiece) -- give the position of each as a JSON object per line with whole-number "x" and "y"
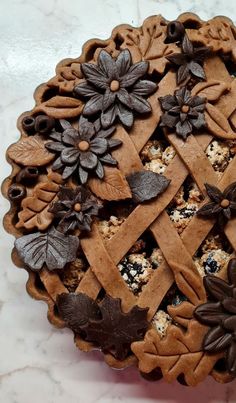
{"x": 123, "y": 198}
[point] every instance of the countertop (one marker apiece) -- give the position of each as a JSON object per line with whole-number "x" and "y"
{"x": 38, "y": 363}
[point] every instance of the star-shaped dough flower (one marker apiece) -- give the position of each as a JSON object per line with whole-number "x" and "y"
{"x": 189, "y": 61}
{"x": 115, "y": 89}
{"x": 84, "y": 150}
{"x": 75, "y": 208}
{"x": 183, "y": 112}
{"x": 220, "y": 315}
{"x": 222, "y": 204}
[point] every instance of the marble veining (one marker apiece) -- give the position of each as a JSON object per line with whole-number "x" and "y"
{"x": 40, "y": 364}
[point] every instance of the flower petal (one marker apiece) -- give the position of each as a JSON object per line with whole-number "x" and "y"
{"x": 108, "y": 117}
{"x": 214, "y": 193}
{"x": 232, "y": 271}
{"x": 187, "y": 46}
{"x": 57, "y": 164}
{"x": 99, "y": 170}
{"x": 183, "y": 96}
{"x": 123, "y": 62}
{"x": 88, "y": 160}
{"x": 229, "y": 304}
{"x": 135, "y": 72}
{"x": 124, "y": 97}
{"x": 106, "y": 133}
{"x": 144, "y": 87}
{"x": 208, "y": 209}
{"x": 217, "y": 287}
{"x": 182, "y": 73}
{"x": 230, "y": 323}
{"x": 107, "y": 65}
{"x": 230, "y": 192}
{"x": 197, "y": 70}
{"x": 177, "y": 58}
{"x": 184, "y": 129}
{"x": 125, "y": 115}
{"x": 70, "y": 137}
{"x": 227, "y": 213}
{"x": 85, "y": 90}
{"x": 169, "y": 120}
{"x": 167, "y": 102}
{"x": 231, "y": 358}
{"x": 54, "y": 146}
{"x": 86, "y": 128}
{"x": 199, "y": 122}
{"x": 83, "y": 175}
{"x": 114, "y": 143}
{"x": 70, "y": 155}
{"x": 94, "y": 75}
{"x": 107, "y": 159}
{"x": 139, "y": 104}
{"x": 108, "y": 99}
{"x": 216, "y": 340}
{"x": 68, "y": 171}
{"x": 210, "y": 313}
{"x": 94, "y": 105}
{"x": 99, "y": 145}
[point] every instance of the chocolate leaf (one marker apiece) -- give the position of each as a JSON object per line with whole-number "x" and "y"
{"x": 77, "y": 309}
{"x": 179, "y": 352}
{"x": 112, "y": 187}
{"x": 51, "y": 248}
{"x": 212, "y": 89}
{"x": 218, "y": 124}
{"x": 216, "y": 340}
{"x": 34, "y": 211}
{"x": 115, "y": 331}
{"x": 61, "y": 107}
{"x": 145, "y": 185}
{"x": 30, "y": 151}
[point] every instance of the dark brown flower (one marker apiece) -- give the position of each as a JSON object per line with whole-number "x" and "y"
{"x": 189, "y": 61}
{"x": 183, "y": 112}
{"x": 84, "y": 150}
{"x": 220, "y": 315}
{"x": 222, "y": 204}
{"x": 115, "y": 89}
{"x": 75, "y": 207}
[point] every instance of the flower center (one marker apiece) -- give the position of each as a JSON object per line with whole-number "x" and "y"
{"x": 77, "y": 207}
{"x": 83, "y": 145}
{"x": 114, "y": 86}
{"x": 185, "y": 108}
{"x": 225, "y": 203}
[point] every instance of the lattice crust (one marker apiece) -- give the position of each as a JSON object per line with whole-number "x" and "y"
{"x": 180, "y": 352}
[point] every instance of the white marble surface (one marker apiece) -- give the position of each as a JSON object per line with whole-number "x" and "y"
{"x": 39, "y": 364}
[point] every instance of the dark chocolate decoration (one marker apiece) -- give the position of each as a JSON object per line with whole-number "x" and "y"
{"x": 27, "y": 175}
{"x": 115, "y": 331}
{"x": 222, "y": 204}
{"x": 84, "y": 150}
{"x": 51, "y": 248}
{"x": 44, "y": 124}
{"x": 146, "y": 185}
{"x": 220, "y": 315}
{"x": 16, "y": 192}
{"x": 75, "y": 207}
{"x": 189, "y": 61}
{"x": 183, "y": 112}
{"x": 175, "y": 31}
{"x": 114, "y": 88}
{"x": 28, "y": 123}
{"x": 76, "y": 309}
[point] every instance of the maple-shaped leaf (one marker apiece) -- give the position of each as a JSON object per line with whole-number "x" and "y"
{"x": 51, "y": 248}
{"x": 116, "y": 330}
{"x": 77, "y": 309}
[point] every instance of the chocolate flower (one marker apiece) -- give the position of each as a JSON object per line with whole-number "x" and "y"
{"x": 75, "y": 207}
{"x": 84, "y": 150}
{"x": 183, "y": 112}
{"x": 115, "y": 89}
{"x": 220, "y": 315}
{"x": 222, "y": 204}
{"x": 189, "y": 60}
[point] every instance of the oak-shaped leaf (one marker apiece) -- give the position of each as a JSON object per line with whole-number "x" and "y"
{"x": 179, "y": 353}
{"x": 112, "y": 187}
{"x": 61, "y": 107}
{"x": 77, "y": 309}
{"x": 51, "y": 248}
{"x": 218, "y": 124}
{"x": 146, "y": 185}
{"x": 30, "y": 151}
{"x": 116, "y": 330}
{"x": 34, "y": 213}
{"x": 211, "y": 89}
